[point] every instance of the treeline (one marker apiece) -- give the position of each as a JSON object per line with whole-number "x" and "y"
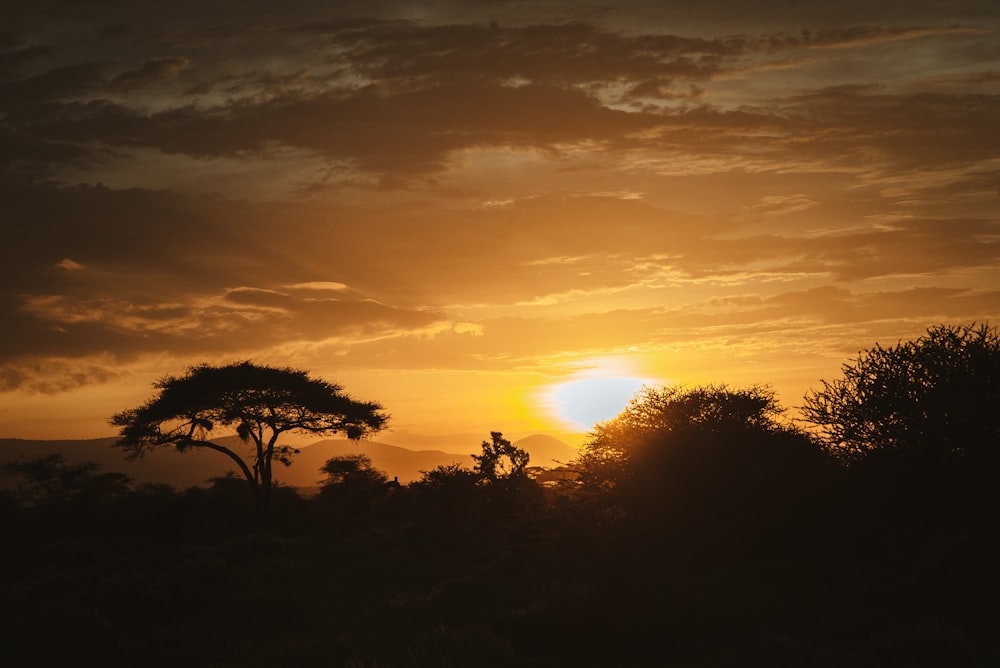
{"x": 701, "y": 527}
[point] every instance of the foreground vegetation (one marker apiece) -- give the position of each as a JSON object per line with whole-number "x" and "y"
{"x": 699, "y": 528}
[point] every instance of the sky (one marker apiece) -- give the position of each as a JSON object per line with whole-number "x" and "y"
{"x": 486, "y": 215}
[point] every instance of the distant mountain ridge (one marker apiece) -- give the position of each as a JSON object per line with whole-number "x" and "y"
{"x": 196, "y": 467}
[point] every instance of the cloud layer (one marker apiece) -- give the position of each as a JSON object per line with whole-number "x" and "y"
{"x": 490, "y": 188}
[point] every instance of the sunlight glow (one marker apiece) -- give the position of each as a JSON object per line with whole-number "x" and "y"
{"x": 594, "y": 395}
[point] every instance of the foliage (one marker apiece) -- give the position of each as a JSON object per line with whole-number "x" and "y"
{"x": 715, "y": 465}
{"x": 260, "y": 402}
{"x": 496, "y": 490}
{"x": 448, "y": 476}
{"x": 449, "y": 494}
{"x": 50, "y": 480}
{"x": 937, "y": 394}
{"x": 352, "y": 488}
{"x": 500, "y": 459}
{"x": 351, "y": 471}
{"x": 716, "y": 524}
{"x": 658, "y": 415}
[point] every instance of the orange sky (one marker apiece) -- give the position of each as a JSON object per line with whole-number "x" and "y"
{"x": 454, "y": 207}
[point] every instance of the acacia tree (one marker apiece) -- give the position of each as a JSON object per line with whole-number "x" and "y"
{"x": 260, "y": 402}
{"x": 937, "y": 394}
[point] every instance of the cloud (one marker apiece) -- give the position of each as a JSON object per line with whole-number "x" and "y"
{"x": 398, "y": 54}
{"x": 850, "y": 37}
{"x": 781, "y": 205}
{"x": 321, "y": 286}
{"x": 69, "y": 265}
{"x": 23, "y": 97}
{"x": 237, "y": 320}
{"x": 149, "y": 73}
{"x": 404, "y": 135}
{"x": 13, "y": 61}
{"x": 447, "y": 194}
{"x": 422, "y": 256}
{"x": 799, "y": 323}
{"x": 54, "y": 375}
{"x": 396, "y": 102}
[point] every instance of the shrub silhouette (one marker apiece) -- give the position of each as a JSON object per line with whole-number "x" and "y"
{"x": 937, "y": 395}
{"x": 496, "y": 491}
{"x": 351, "y": 472}
{"x": 449, "y": 494}
{"x": 50, "y": 480}
{"x": 351, "y": 487}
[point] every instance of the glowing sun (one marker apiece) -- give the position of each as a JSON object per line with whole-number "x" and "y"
{"x": 592, "y": 397}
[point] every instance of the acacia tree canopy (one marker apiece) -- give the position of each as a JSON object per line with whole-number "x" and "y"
{"x": 937, "y": 394}
{"x": 260, "y": 402}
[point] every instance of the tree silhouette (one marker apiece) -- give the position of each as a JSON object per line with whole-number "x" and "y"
{"x": 712, "y": 467}
{"x": 935, "y": 395}
{"x": 51, "y": 480}
{"x": 351, "y": 489}
{"x": 447, "y": 495}
{"x": 353, "y": 471}
{"x": 496, "y": 490}
{"x": 500, "y": 459}
{"x": 657, "y": 416}
{"x": 261, "y": 402}
{"x": 448, "y": 477}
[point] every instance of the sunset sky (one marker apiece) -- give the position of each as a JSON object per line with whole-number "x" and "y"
{"x": 485, "y": 214}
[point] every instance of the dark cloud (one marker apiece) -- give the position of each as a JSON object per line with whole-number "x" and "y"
{"x": 55, "y": 84}
{"x": 402, "y": 54}
{"x": 927, "y": 248}
{"x": 658, "y": 176}
{"x": 910, "y": 130}
{"x": 149, "y": 73}
{"x": 402, "y": 135}
{"x": 53, "y": 376}
{"x": 12, "y": 61}
{"x": 396, "y": 99}
{"x": 240, "y": 321}
{"x": 29, "y": 159}
{"x": 93, "y": 271}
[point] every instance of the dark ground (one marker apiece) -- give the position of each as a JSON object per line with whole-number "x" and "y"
{"x": 866, "y": 568}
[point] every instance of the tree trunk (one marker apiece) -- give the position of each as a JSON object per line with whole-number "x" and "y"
{"x": 264, "y": 497}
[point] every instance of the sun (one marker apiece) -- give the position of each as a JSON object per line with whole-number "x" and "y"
{"x": 594, "y": 395}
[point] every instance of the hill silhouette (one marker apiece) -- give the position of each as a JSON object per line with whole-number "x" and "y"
{"x": 164, "y": 466}
{"x": 196, "y": 467}
{"x": 393, "y": 460}
{"x": 547, "y": 451}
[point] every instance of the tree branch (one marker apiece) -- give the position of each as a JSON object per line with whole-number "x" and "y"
{"x": 190, "y": 442}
